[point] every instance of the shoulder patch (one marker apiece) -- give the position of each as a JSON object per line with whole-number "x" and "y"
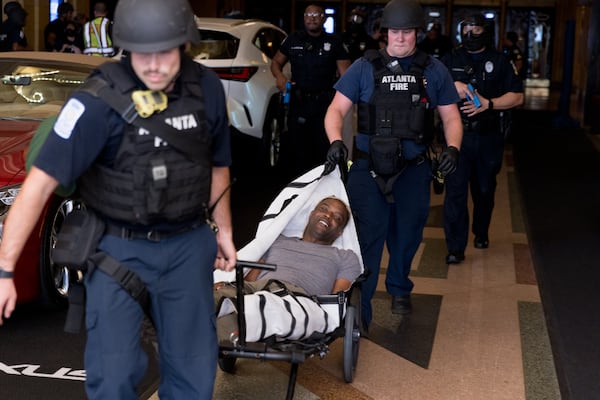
{"x": 68, "y": 117}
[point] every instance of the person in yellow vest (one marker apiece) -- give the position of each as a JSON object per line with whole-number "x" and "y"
{"x": 96, "y": 33}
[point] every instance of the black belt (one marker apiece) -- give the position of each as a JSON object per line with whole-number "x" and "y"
{"x": 149, "y": 234}
{"x": 359, "y": 154}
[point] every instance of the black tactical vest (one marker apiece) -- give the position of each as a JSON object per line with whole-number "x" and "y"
{"x": 399, "y": 105}
{"x": 151, "y": 182}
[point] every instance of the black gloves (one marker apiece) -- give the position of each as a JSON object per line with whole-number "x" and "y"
{"x": 448, "y": 160}
{"x": 337, "y": 154}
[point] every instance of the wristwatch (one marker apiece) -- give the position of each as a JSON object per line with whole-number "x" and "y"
{"x": 490, "y": 104}
{"x": 4, "y": 274}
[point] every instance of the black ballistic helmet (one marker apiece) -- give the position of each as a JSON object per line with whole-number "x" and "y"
{"x": 149, "y": 26}
{"x": 473, "y": 42}
{"x": 403, "y": 14}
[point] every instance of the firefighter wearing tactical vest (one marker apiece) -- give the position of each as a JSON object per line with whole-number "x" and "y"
{"x": 160, "y": 202}
{"x": 396, "y": 89}
{"x": 97, "y": 33}
{"x": 488, "y": 84}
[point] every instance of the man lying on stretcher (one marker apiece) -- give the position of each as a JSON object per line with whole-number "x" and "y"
{"x": 311, "y": 263}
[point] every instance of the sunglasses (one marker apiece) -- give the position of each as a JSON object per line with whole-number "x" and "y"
{"x": 313, "y": 14}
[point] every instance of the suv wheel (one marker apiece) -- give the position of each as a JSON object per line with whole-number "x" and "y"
{"x": 272, "y": 130}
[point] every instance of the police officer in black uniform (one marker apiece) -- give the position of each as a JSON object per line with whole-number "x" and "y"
{"x": 154, "y": 197}
{"x": 317, "y": 58}
{"x": 495, "y": 87}
{"x": 396, "y": 90}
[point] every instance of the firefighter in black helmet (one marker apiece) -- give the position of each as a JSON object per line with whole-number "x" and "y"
{"x": 396, "y": 90}
{"x": 489, "y": 86}
{"x": 161, "y": 201}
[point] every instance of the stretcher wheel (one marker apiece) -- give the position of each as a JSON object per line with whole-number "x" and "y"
{"x": 351, "y": 342}
{"x": 227, "y": 364}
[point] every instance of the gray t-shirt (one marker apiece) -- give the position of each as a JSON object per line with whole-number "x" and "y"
{"x": 313, "y": 267}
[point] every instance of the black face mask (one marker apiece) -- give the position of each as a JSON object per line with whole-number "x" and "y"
{"x": 473, "y": 42}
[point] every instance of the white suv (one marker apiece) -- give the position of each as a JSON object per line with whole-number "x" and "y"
{"x": 240, "y": 52}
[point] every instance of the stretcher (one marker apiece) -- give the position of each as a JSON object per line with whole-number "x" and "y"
{"x": 288, "y": 215}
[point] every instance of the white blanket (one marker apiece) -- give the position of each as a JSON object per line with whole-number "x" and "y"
{"x": 288, "y": 317}
{"x": 303, "y": 194}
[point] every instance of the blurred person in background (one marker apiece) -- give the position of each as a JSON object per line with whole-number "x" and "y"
{"x": 512, "y": 50}
{"x": 356, "y": 38}
{"x": 380, "y": 35}
{"x": 97, "y": 33}
{"x": 434, "y": 42}
{"x": 12, "y": 35}
{"x": 54, "y": 32}
{"x": 72, "y": 41}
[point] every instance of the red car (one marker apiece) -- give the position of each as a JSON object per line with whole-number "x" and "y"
{"x": 34, "y": 86}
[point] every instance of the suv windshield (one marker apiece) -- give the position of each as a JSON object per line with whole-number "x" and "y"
{"x": 215, "y": 45}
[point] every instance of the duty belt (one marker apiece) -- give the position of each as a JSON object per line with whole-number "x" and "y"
{"x": 386, "y": 183}
{"x": 418, "y": 160}
{"x": 152, "y": 235}
{"x": 470, "y": 126}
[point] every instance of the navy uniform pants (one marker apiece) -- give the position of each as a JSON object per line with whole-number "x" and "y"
{"x": 398, "y": 225}
{"x": 306, "y": 143}
{"x": 178, "y": 272}
{"x": 480, "y": 161}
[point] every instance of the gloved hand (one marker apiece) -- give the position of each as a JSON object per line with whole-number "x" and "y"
{"x": 448, "y": 160}
{"x": 337, "y": 154}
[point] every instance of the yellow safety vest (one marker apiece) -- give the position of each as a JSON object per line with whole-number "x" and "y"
{"x": 96, "y": 38}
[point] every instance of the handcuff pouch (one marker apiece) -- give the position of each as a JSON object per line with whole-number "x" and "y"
{"x": 385, "y": 154}
{"x": 78, "y": 239}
